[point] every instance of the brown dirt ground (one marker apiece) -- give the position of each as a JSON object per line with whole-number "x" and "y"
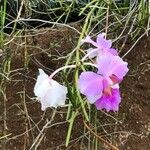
{"x": 136, "y": 97}
{"x": 132, "y": 128}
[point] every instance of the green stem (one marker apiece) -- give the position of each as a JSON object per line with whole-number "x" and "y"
{"x": 74, "y": 114}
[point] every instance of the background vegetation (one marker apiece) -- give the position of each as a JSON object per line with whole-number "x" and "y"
{"x": 122, "y": 20}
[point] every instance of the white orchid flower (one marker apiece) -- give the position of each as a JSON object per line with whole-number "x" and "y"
{"x": 49, "y": 92}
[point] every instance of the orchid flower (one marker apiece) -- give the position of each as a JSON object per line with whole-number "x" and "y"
{"x": 102, "y": 88}
{"x": 102, "y": 46}
{"x": 49, "y": 92}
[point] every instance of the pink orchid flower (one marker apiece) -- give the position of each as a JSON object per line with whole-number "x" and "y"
{"x": 102, "y": 88}
{"x": 102, "y": 46}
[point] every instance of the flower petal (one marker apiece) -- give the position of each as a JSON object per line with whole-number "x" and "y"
{"x": 91, "y": 85}
{"x": 102, "y": 43}
{"x": 113, "y": 51}
{"x": 92, "y": 52}
{"x": 49, "y": 92}
{"x": 109, "y": 65}
{"x": 89, "y": 40}
{"x": 109, "y": 102}
{"x": 55, "y": 96}
{"x": 42, "y": 84}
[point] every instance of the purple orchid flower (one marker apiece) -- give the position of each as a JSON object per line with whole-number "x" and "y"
{"x": 102, "y": 88}
{"x": 102, "y": 45}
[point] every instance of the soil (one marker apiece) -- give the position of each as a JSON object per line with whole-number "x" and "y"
{"x": 136, "y": 98}
{"x": 129, "y": 129}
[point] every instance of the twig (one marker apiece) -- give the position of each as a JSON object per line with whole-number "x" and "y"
{"x": 99, "y": 137}
{"x": 134, "y": 44}
{"x": 107, "y": 16}
{"x": 5, "y": 136}
{"x": 43, "y": 21}
{"x": 40, "y": 135}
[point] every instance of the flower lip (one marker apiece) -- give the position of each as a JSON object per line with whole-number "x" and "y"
{"x": 108, "y": 91}
{"x": 109, "y": 102}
